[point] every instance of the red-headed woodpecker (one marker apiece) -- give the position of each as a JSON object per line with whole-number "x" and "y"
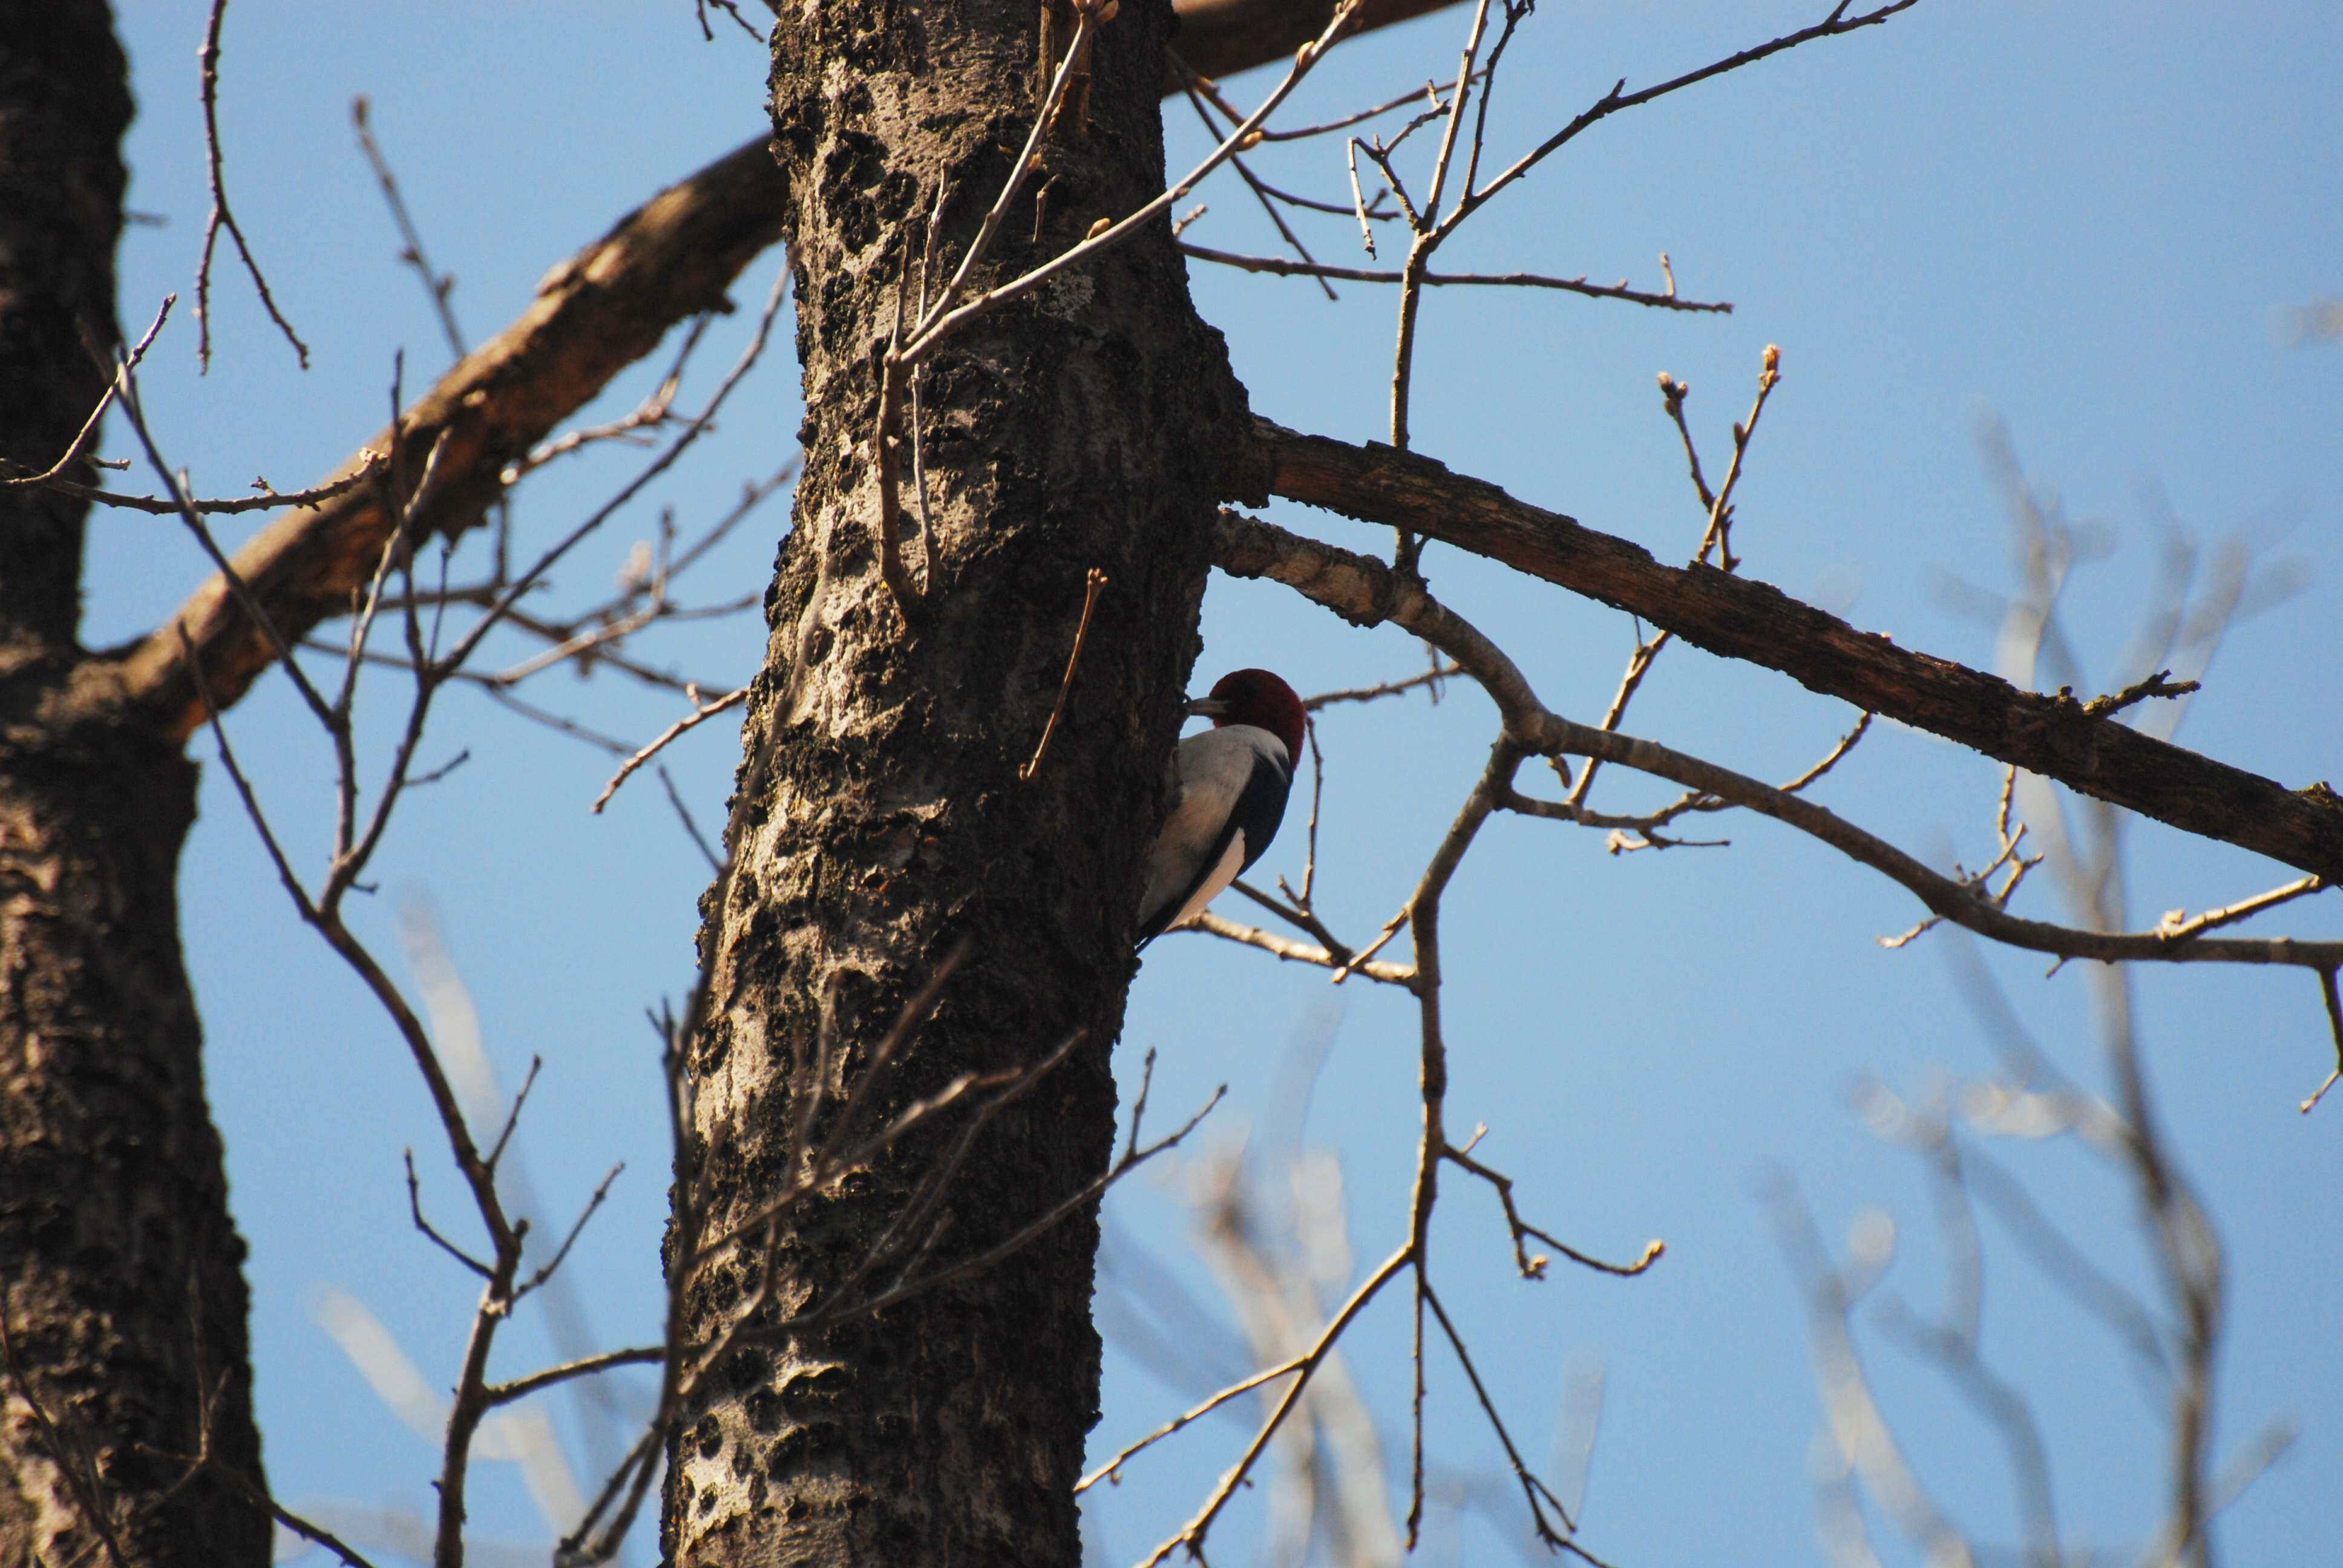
{"x": 1228, "y": 789}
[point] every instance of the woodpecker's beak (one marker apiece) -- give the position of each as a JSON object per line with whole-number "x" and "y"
{"x": 1205, "y": 707}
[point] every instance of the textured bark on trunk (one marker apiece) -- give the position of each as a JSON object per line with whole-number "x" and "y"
{"x": 879, "y": 817}
{"x": 120, "y": 1274}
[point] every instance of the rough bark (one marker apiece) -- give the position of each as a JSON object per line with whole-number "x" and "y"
{"x": 880, "y": 817}
{"x": 1741, "y": 617}
{"x": 63, "y": 106}
{"x": 120, "y": 1274}
{"x": 125, "y": 1289}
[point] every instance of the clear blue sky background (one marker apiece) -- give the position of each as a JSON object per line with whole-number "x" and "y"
{"x": 2089, "y": 220}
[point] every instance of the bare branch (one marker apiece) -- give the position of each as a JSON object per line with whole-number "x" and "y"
{"x": 1534, "y": 1491}
{"x": 1281, "y": 267}
{"x": 512, "y": 1118}
{"x": 1717, "y": 512}
{"x": 1112, "y": 1469}
{"x": 1296, "y": 952}
{"x": 96, "y": 416}
{"x": 438, "y": 285}
{"x": 415, "y": 1210}
{"x": 1618, "y": 98}
{"x": 1192, "y": 1535}
{"x": 545, "y": 1271}
{"x": 690, "y": 827}
{"x": 2326, "y": 992}
{"x": 1366, "y": 591}
{"x": 1738, "y": 618}
{"x": 2160, "y": 684}
{"x": 943, "y": 319}
{"x": 268, "y": 500}
{"x": 700, "y": 713}
{"x": 207, "y": 60}
{"x": 499, "y": 1393}
{"x": 1532, "y": 1266}
{"x": 1094, "y": 582}
{"x": 1433, "y": 677}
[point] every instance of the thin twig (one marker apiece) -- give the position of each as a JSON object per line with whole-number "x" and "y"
{"x": 208, "y": 59}
{"x": 1267, "y": 194}
{"x": 512, "y": 1118}
{"x": 1358, "y": 204}
{"x": 1532, "y": 1266}
{"x": 1358, "y": 961}
{"x": 2160, "y": 684}
{"x": 1359, "y": 116}
{"x": 498, "y": 1393}
{"x": 415, "y": 1211}
{"x": 1719, "y": 532}
{"x": 1281, "y": 267}
{"x": 1428, "y": 232}
{"x": 2326, "y": 992}
{"x": 1716, "y": 507}
{"x": 690, "y": 434}
{"x": 652, "y": 412}
{"x": 943, "y": 321}
{"x": 1300, "y": 901}
{"x": 1111, "y": 1470}
{"x": 437, "y": 284}
{"x": 731, "y": 9}
{"x": 1192, "y": 1535}
{"x": 96, "y": 416}
{"x": 562, "y": 1252}
{"x": 1296, "y": 952}
{"x": 700, "y": 713}
{"x": 135, "y": 411}
{"x": 1092, "y": 584}
{"x": 268, "y": 500}
{"x": 315, "y": 1534}
{"x": 1619, "y": 98}
{"x": 1433, "y": 676}
{"x": 683, "y": 815}
{"x": 1534, "y": 1491}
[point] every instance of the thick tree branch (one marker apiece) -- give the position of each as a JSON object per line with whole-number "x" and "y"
{"x": 1737, "y": 617}
{"x": 1367, "y": 591}
{"x": 1221, "y": 38}
{"x": 593, "y": 315}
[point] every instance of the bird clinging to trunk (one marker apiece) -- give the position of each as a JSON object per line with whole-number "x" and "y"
{"x": 1228, "y": 789}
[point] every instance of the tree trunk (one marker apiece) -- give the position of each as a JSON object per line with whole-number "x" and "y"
{"x": 120, "y": 1274}
{"x": 880, "y": 818}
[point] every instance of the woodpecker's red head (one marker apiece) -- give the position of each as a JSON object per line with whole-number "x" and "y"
{"x": 1257, "y": 698}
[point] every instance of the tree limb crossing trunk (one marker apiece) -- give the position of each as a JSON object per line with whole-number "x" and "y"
{"x": 120, "y": 1274}
{"x": 879, "y": 817}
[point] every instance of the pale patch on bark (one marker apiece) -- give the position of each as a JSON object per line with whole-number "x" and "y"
{"x": 1067, "y": 296}
{"x": 43, "y": 1487}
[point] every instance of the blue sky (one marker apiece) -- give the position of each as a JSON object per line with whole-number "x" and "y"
{"x": 2089, "y": 222}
